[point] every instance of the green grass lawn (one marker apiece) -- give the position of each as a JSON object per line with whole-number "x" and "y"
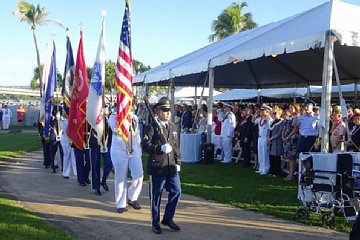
{"x": 243, "y": 188}
{"x": 16, "y": 222}
{"x": 13, "y": 145}
{"x": 12, "y": 127}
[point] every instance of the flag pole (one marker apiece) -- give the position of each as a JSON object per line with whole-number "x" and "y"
{"x": 104, "y": 137}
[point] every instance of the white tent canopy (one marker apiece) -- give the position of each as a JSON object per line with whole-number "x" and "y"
{"x": 301, "y": 37}
{"x": 242, "y": 94}
{"x": 237, "y": 94}
{"x": 186, "y": 92}
{"x": 346, "y": 89}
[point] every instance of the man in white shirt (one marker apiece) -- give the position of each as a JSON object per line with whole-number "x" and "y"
{"x": 227, "y": 133}
{"x": 7, "y": 114}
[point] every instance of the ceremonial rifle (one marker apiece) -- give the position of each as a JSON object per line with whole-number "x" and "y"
{"x": 152, "y": 116}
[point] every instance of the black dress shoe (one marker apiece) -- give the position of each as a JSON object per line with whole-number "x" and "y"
{"x": 66, "y": 177}
{"x": 82, "y": 184}
{"x": 105, "y": 186}
{"x": 54, "y": 170}
{"x": 56, "y": 166}
{"x": 171, "y": 224}
{"x": 97, "y": 192}
{"x": 87, "y": 180}
{"x": 46, "y": 166}
{"x": 121, "y": 210}
{"x": 134, "y": 204}
{"x": 156, "y": 230}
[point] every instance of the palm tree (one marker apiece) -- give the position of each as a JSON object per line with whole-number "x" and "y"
{"x": 231, "y": 21}
{"x": 34, "y": 16}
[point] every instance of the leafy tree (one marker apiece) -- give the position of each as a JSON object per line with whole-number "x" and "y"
{"x": 139, "y": 67}
{"x": 231, "y": 21}
{"x": 109, "y": 75}
{"x": 34, "y": 16}
{"x": 35, "y": 83}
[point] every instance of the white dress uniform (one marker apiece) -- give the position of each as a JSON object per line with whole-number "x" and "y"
{"x": 6, "y": 117}
{"x": 122, "y": 160}
{"x": 263, "y": 146}
{"x": 227, "y": 135}
{"x": 69, "y": 155}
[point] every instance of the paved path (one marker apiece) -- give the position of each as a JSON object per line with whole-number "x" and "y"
{"x": 88, "y": 216}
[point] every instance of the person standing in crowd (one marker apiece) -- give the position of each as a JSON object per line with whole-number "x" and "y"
{"x": 69, "y": 155}
{"x": 307, "y": 125}
{"x": 20, "y": 114}
{"x": 161, "y": 143}
{"x": 290, "y": 144}
{"x": 263, "y": 144}
{"x": 141, "y": 114}
{"x": 337, "y": 131}
{"x": 246, "y": 129}
{"x": 6, "y": 117}
{"x": 202, "y": 127}
{"x": 215, "y": 136}
{"x": 354, "y": 145}
{"x": 82, "y": 158}
{"x": 255, "y": 135}
{"x": 276, "y": 146}
{"x": 187, "y": 119}
{"x": 227, "y": 133}
{"x": 126, "y": 155}
{"x": 96, "y": 151}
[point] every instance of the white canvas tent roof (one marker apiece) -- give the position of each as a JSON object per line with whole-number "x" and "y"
{"x": 186, "y": 92}
{"x": 301, "y": 37}
{"x": 242, "y": 94}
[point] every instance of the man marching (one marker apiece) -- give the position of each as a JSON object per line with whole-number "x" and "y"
{"x": 97, "y": 151}
{"x": 161, "y": 142}
{"x": 124, "y": 155}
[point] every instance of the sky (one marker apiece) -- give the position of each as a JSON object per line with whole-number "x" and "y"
{"x": 162, "y": 30}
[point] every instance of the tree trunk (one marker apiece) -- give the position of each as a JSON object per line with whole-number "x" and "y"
{"x": 38, "y": 62}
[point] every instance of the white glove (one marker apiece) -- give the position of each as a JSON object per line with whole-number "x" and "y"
{"x": 178, "y": 168}
{"x": 58, "y": 115}
{"x": 166, "y": 148}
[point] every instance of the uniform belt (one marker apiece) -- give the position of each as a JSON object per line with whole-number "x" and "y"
{"x": 308, "y": 136}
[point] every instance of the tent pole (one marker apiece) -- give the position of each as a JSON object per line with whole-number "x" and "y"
{"x": 172, "y": 98}
{"x": 258, "y": 95}
{"x": 308, "y": 93}
{"x": 326, "y": 92}
{"x": 195, "y": 97}
{"x": 210, "y": 104}
{"x": 147, "y": 116}
{"x": 356, "y": 90}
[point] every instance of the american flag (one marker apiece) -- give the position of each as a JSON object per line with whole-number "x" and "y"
{"x": 123, "y": 76}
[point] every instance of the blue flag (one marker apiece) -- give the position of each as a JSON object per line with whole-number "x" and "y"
{"x": 68, "y": 77}
{"x": 49, "y": 94}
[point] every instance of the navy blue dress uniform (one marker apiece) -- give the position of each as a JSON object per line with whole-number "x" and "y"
{"x": 45, "y": 145}
{"x": 55, "y": 133}
{"x": 246, "y": 135}
{"x": 95, "y": 159}
{"x": 82, "y": 157}
{"x": 163, "y": 166}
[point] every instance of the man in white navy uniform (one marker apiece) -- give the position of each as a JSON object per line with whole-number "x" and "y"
{"x": 124, "y": 155}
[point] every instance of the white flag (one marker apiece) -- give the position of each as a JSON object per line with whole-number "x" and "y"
{"x": 94, "y": 111}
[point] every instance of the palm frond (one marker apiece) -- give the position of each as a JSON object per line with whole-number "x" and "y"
{"x": 51, "y": 22}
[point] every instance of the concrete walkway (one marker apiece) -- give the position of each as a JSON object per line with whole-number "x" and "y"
{"x": 78, "y": 210}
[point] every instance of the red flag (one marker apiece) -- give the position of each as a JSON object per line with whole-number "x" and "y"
{"x": 123, "y": 76}
{"x": 77, "y": 116}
